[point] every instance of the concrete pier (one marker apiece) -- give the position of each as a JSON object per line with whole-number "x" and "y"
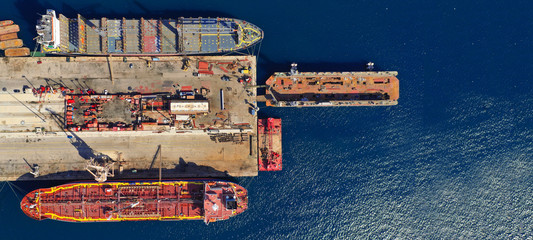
{"x": 30, "y": 133}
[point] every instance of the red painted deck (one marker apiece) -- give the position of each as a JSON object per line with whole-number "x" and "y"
{"x": 150, "y": 42}
{"x": 137, "y": 201}
{"x": 269, "y": 138}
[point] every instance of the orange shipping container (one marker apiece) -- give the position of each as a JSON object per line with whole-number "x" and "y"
{"x": 8, "y": 36}
{"x": 6, "y": 22}
{"x": 17, "y": 52}
{"x": 14, "y": 43}
{"x": 9, "y": 29}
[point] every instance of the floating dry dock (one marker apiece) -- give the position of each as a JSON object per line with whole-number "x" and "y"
{"x": 328, "y": 89}
{"x": 195, "y": 114}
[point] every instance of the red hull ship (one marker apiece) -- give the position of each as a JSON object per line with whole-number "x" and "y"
{"x": 208, "y": 200}
{"x": 269, "y": 138}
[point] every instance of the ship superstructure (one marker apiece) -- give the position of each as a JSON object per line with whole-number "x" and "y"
{"x": 58, "y": 34}
{"x": 207, "y": 200}
{"x": 308, "y": 89}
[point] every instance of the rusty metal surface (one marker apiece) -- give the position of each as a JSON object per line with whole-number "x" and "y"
{"x": 333, "y": 89}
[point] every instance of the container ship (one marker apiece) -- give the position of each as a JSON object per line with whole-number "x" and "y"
{"x": 180, "y": 36}
{"x": 207, "y": 200}
{"x": 309, "y": 89}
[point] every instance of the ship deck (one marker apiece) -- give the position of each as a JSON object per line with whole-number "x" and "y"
{"x": 136, "y": 201}
{"x": 178, "y": 36}
{"x": 333, "y": 89}
{"x": 33, "y": 122}
{"x": 269, "y": 144}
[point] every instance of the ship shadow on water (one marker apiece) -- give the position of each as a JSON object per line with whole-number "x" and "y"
{"x": 175, "y": 13}
{"x": 182, "y": 170}
{"x": 268, "y": 67}
{"x": 29, "y": 10}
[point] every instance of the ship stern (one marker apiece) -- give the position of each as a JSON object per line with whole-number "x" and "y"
{"x": 395, "y": 89}
{"x": 241, "y": 199}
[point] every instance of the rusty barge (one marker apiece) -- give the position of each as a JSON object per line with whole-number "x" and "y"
{"x": 328, "y": 89}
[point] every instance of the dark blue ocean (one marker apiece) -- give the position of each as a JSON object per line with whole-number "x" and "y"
{"x": 453, "y": 160}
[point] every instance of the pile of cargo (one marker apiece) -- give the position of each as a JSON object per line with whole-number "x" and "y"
{"x": 9, "y": 41}
{"x": 237, "y": 138}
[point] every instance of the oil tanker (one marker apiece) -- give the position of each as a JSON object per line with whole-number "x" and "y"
{"x": 207, "y": 200}
{"x": 122, "y": 37}
{"x": 315, "y": 89}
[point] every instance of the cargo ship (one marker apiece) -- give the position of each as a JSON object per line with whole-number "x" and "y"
{"x": 207, "y": 200}
{"x": 309, "y": 89}
{"x": 122, "y": 37}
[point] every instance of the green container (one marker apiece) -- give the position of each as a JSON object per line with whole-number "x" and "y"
{"x": 37, "y": 54}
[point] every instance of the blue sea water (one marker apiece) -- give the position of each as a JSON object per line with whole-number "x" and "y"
{"x": 452, "y": 160}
